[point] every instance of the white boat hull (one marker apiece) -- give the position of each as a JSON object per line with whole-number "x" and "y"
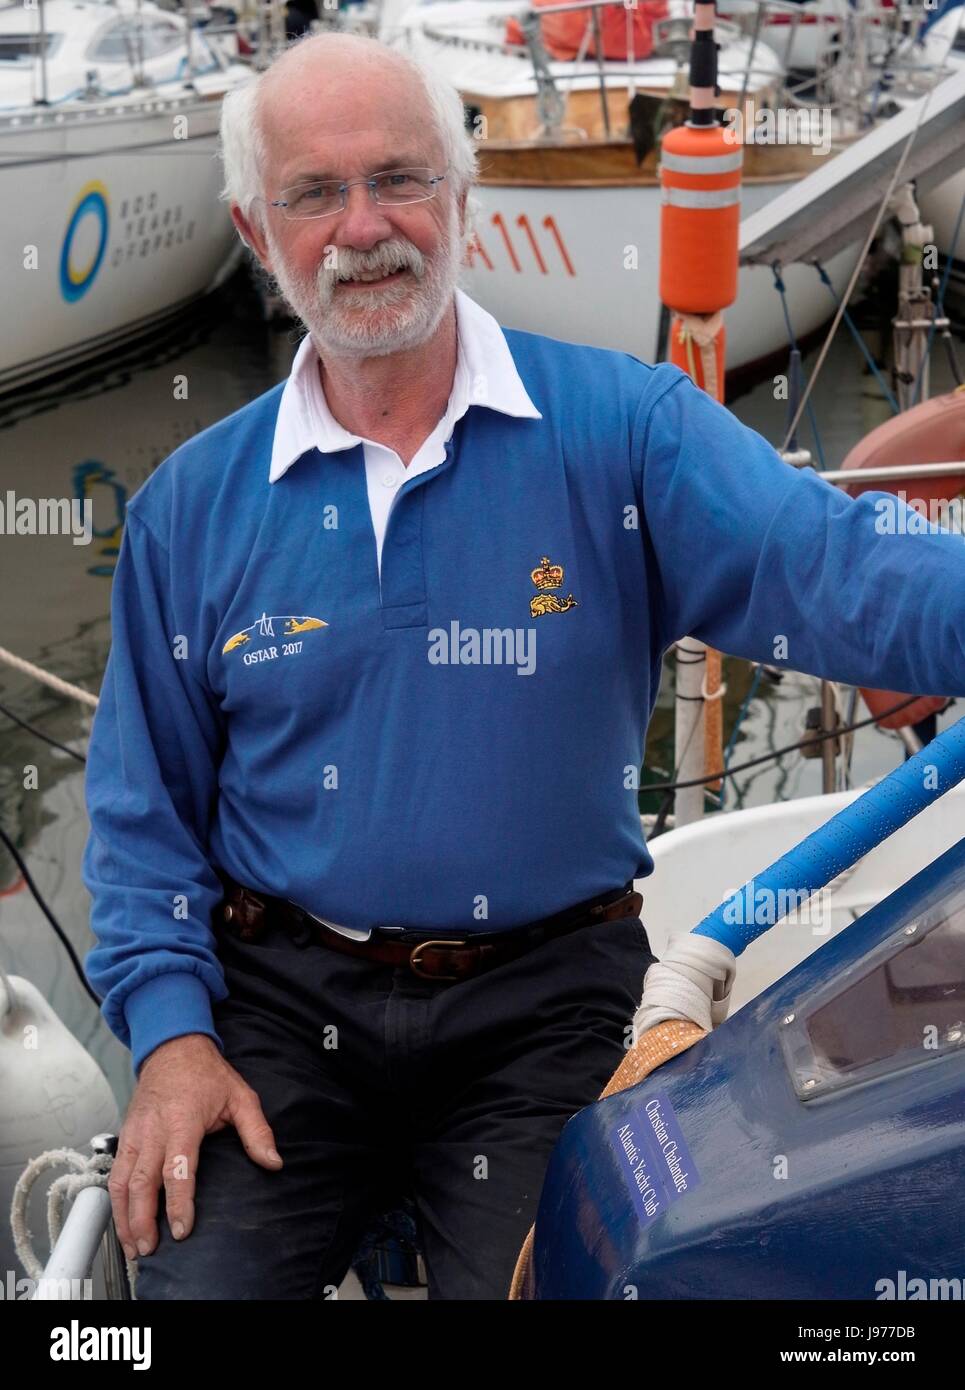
{"x": 581, "y": 264}
{"x": 114, "y": 221}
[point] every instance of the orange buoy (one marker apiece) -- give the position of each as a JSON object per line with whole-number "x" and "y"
{"x": 700, "y": 181}
{"x": 933, "y": 432}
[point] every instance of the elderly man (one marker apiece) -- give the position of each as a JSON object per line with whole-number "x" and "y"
{"x": 385, "y": 645}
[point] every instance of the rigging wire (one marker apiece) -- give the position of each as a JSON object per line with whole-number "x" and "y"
{"x": 781, "y": 752}
{"x": 781, "y": 289}
{"x": 32, "y": 728}
{"x": 886, "y": 390}
{"x": 941, "y": 311}
{"x": 39, "y": 899}
{"x": 872, "y": 232}
{"x": 741, "y": 714}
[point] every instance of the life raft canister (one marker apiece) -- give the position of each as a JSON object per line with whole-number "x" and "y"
{"x": 933, "y": 432}
{"x": 562, "y": 34}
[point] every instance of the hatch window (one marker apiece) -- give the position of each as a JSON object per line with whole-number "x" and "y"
{"x": 17, "y": 48}
{"x": 901, "y": 1006}
{"x": 129, "y": 41}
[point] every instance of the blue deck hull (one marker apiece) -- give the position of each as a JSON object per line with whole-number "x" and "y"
{"x": 783, "y": 1196}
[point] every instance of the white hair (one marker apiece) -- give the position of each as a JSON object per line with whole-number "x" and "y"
{"x": 242, "y": 139}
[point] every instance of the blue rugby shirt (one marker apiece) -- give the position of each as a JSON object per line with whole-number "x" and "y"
{"x": 266, "y": 709}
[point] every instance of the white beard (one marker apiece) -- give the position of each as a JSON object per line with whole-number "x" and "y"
{"x": 374, "y": 322}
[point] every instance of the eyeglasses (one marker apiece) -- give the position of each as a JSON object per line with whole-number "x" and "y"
{"x": 391, "y": 188}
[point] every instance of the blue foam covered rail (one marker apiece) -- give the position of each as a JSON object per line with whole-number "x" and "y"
{"x": 849, "y": 835}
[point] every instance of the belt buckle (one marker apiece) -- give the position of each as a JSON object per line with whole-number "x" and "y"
{"x": 414, "y": 963}
{"x": 244, "y": 913}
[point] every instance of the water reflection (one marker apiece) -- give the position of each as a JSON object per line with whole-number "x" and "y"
{"x": 93, "y": 436}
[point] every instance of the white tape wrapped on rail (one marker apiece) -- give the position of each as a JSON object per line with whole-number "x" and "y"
{"x": 692, "y": 981}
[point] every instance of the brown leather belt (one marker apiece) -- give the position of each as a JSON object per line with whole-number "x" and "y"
{"x": 248, "y": 915}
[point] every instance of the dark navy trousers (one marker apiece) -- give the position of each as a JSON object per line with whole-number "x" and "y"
{"x": 376, "y": 1082}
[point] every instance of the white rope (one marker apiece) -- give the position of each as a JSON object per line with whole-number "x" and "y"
{"x": 702, "y": 330}
{"x": 692, "y": 980}
{"x": 55, "y": 683}
{"x": 90, "y": 1172}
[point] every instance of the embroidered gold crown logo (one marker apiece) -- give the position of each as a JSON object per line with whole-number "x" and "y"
{"x": 547, "y": 577}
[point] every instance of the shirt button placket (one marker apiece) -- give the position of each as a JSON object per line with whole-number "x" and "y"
{"x": 403, "y": 572}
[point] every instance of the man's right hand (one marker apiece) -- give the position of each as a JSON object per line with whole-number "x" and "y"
{"x": 185, "y": 1090}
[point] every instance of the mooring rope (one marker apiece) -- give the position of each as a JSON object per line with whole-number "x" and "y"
{"x": 90, "y": 1171}
{"x": 62, "y": 687}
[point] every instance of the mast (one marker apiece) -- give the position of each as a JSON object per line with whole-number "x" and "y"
{"x": 189, "y": 42}
{"x": 44, "y": 101}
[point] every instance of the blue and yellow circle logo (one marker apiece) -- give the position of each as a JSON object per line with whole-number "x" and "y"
{"x": 75, "y": 280}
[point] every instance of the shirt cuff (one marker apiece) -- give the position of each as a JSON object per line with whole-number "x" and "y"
{"x": 167, "y": 1006}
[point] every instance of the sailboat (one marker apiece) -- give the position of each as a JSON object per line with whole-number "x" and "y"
{"x": 108, "y": 185}
{"x": 568, "y": 203}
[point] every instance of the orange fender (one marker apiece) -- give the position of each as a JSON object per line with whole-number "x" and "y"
{"x": 932, "y": 432}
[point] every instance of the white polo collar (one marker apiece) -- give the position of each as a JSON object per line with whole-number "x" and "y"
{"x": 485, "y": 375}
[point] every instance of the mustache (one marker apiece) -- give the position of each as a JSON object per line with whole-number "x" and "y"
{"x": 387, "y": 257}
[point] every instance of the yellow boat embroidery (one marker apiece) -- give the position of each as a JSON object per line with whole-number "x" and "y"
{"x": 302, "y": 625}
{"x": 265, "y": 626}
